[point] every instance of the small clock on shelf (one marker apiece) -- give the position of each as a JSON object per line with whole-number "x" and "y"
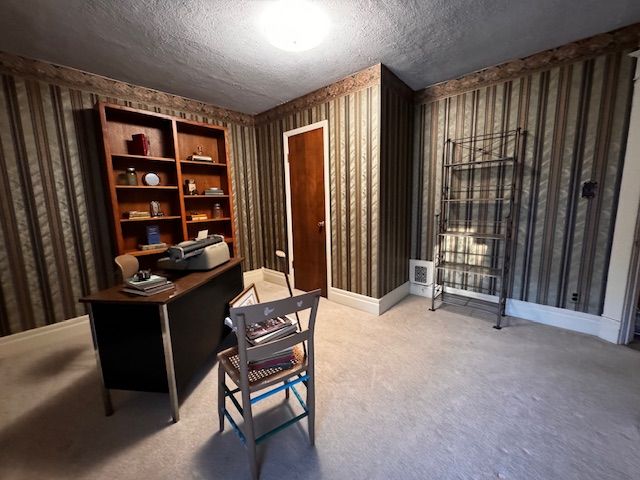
{"x": 152, "y": 179}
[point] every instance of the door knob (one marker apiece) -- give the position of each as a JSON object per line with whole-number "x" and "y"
{"x": 321, "y": 224}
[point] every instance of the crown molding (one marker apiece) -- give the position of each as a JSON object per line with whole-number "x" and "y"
{"x": 357, "y": 81}
{"x": 90, "y": 82}
{"x": 627, "y": 37}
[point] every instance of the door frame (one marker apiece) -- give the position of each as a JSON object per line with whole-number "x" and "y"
{"x": 324, "y": 125}
{"x": 622, "y": 276}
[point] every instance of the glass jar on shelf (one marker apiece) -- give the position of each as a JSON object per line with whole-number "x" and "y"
{"x": 217, "y": 211}
{"x": 131, "y": 176}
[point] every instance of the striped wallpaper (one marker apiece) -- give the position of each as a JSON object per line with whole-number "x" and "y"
{"x": 395, "y": 182}
{"x": 354, "y": 155}
{"x": 55, "y": 240}
{"x": 385, "y": 152}
{"x": 576, "y": 118}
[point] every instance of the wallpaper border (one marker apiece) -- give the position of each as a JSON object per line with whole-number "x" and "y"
{"x": 619, "y": 39}
{"x": 353, "y": 83}
{"x": 91, "y": 82}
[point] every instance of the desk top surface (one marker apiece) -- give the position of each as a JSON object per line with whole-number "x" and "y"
{"x": 184, "y": 282}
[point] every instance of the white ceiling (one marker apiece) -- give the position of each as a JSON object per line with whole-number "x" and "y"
{"x": 212, "y": 50}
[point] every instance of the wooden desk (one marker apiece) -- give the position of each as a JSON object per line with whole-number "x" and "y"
{"x": 156, "y": 343}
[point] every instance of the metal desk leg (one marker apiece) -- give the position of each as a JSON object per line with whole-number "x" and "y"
{"x": 168, "y": 360}
{"x": 106, "y": 396}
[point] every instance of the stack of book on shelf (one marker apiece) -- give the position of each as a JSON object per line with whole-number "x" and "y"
{"x": 213, "y": 191}
{"x": 199, "y": 158}
{"x": 269, "y": 330}
{"x": 197, "y": 216}
{"x": 132, "y": 214}
{"x": 154, "y": 284}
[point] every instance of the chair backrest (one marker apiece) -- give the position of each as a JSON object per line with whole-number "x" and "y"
{"x": 248, "y": 315}
{"x": 128, "y": 265}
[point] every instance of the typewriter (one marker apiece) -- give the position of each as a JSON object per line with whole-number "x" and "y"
{"x": 203, "y": 254}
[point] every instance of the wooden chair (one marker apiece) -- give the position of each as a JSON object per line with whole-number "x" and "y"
{"x": 128, "y": 265}
{"x": 234, "y": 363}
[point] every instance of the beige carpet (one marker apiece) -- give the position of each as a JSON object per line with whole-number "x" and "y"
{"x": 412, "y": 394}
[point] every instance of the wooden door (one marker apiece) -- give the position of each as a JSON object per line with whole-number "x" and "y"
{"x": 306, "y": 178}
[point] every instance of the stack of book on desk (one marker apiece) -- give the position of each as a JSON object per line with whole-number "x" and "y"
{"x": 151, "y": 286}
{"x": 269, "y": 330}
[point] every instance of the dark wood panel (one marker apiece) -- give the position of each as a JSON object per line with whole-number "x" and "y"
{"x": 191, "y": 136}
{"x": 130, "y": 345}
{"x": 129, "y": 334}
{"x": 197, "y": 322}
{"x": 122, "y": 124}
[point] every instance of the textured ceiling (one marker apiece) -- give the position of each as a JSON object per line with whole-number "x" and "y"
{"x": 212, "y": 51}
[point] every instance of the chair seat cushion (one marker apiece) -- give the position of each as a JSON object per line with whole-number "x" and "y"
{"x": 259, "y": 379}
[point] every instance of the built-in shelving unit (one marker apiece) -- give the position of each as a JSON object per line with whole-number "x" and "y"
{"x": 474, "y": 228}
{"x": 171, "y": 142}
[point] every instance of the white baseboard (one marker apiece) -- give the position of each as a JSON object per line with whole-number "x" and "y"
{"x": 605, "y": 328}
{"x": 596, "y": 325}
{"x": 264, "y": 275}
{"x": 374, "y": 306}
{"x": 556, "y": 317}
{"x": 354, "y": 300}
{"x": 38, "y": 337}
{"x": 393, "y": 297}
{"x": 252, "y": 276}
{"x": 610, "y": 329}
{"x": 274, "y": 276}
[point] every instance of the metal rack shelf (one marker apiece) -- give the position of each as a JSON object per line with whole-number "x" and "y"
{"x": 479, "y": 200}
{"x": 470, "y": 269}
{"x": 458, "y": 215}
{"x": 476, "y": 163}
{"x": 490, "y": 236}
{"x": 469, "y": 302}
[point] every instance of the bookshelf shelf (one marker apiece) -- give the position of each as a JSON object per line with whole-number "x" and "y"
{"x": 171, "y": 140}
{"x": 204, "y": 164}
{"x": 145, "y": 158}
{"x": 146, "y": 187}
{"x": 187, "y": 197}
{"x": 208, "y": 220}
{"x": 151, "y": 219}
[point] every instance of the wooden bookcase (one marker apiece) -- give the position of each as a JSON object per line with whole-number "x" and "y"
{"x": 171, "y": 141}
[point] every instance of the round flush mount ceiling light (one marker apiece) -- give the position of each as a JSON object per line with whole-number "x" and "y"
{"x": 294, "y": 25}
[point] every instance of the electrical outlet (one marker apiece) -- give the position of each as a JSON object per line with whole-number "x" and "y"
{"x": 575, "y": 297}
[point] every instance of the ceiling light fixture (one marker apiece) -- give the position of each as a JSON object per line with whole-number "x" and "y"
{"x": 294, "y": 25}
